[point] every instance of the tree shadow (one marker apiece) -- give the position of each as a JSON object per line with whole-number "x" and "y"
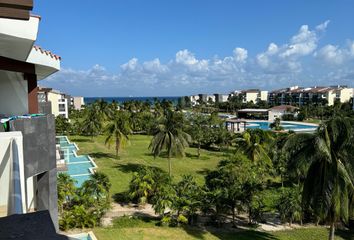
{"x": 230, "y": 234}
{"x": 129, "y": 167}
{"x": 345, "y": 234}
{"x": 103, "y": 155}
{"x": 121, "y": 197}
{"x": 80, "y": 140}
{"x": 204, "y": 171}
{"x": 195, "y": 156}
{"x": 134, "y": 167}
{"x": 146, "y": 217}
{"x": 196, "y": 232}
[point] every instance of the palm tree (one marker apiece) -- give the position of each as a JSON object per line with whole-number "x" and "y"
{"x": 199, "y": 125}
{"x": 325, "y": 159}
{"x": 254, "y": 143}
{"x": 66, "y": 189}
{"x": 98, "y": 186}
{"x": 92, "y": 122}
{"x": 170, "y": 136}
{"x": 117, "y": 130}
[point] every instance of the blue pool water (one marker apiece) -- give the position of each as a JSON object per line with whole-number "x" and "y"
{"x": 286, "y": 125}
{"x": 78, "y": 166}
{"x": 83, "y": 236}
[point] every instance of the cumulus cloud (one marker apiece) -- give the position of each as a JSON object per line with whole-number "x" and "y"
{"x": 240, "y": 54}
{"x": 336, "y": 55}
{"x": 186, "y": 73}
{"x": 287, "y": 57}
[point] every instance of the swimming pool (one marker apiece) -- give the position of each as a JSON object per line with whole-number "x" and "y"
{"x": 83, "y": 236}
{"x": 80, "y": 167}
{"x": 294, "y": 126}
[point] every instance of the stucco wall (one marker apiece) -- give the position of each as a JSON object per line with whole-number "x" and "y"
{"x": 54, "y": 99}
{"x": 13, "y": 93}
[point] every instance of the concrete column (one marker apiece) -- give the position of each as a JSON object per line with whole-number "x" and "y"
{"x": 32, "y": 93}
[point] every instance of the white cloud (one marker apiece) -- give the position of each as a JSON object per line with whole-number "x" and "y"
{"x": 336, "y": 55}
{"x": 323, "y": 26}
{"x": 279, "y": 65}
{"x": 331, "y": 54}
{"x": 130, "y": 65}
{"x": 240, "y": 54}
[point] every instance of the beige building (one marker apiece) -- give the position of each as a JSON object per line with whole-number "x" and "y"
{"x": 78, "y": 102}
{"x": 304, "y": 96}
{"x": 253, "y": 95}
{"x": 53, "y": 101}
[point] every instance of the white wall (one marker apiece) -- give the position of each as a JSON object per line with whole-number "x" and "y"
{"x": 13, "y": 93}
{"x": 252, "y": 96}
{"x": 264, "y": 95}
{"x": 13, "y": 196}
{"x": 54, "y": 97}
{"x": 78, "y": 102}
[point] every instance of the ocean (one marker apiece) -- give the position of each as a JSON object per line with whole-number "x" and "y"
{"x": 120, "y": 100}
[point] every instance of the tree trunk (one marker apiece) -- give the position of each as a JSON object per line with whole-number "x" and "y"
{"x": 331, "y": 231}
{"x": 169, "y": 165}
{"x": 117, "y": 148}
{"x": 233, "y": 217}
{"x": 198, "y": 150}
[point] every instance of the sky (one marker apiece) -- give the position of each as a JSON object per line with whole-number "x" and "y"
{"x": 185, "y": 47}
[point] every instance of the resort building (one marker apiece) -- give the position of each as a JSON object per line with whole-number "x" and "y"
{"x": 281, "y": 111}
{"x": 77, "y": 103}
{"x": 318, "y": 95}
{"x": 54, "y": 102}
{"x": 251, "y": 95}
{"x": 220, "y": 98}
{"x": 27, "y": 139}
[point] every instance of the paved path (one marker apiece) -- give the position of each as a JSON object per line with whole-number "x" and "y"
{"x": 119, "y": 210}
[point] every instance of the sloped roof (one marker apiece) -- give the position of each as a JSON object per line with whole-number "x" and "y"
{"x": 30, "y": 226}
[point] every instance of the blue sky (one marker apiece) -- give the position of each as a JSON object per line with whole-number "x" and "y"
{"x": 161, "y": 48}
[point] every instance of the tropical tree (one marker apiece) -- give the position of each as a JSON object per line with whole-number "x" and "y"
{"x": 170, "y": 136}
{"x": 289, "y": 205}
{"x": 199, "y": 126}
{"x": 255, "y": 143}
{"x": 146, "y": 183}
{"x": 66, "y": 190}
{"x": 118, "y": 130}
{"x": 188, "y": 198}
{"x": 97, "y": 186}
{"x": 62, "y": 125}
{"x": 92, "y": 122}
{"x": 325, "y": 159}
{"x": 276, "y": 125}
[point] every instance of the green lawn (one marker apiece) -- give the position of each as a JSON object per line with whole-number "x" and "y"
{"x": 137, "y": 154}
{"x": 125, "y": 229}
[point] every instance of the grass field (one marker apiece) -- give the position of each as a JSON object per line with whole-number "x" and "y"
{"x": 137, "y": 154}
{"x": 125, "y": 229}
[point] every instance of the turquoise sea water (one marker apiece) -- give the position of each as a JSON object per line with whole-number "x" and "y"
{"x": 89, "y": 100}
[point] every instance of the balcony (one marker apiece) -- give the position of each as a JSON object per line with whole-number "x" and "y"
{"x": 34, "y": 150}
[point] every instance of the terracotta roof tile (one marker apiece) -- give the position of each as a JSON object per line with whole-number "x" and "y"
{"x": 49, "y": 53}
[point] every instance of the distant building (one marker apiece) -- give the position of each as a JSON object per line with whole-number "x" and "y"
{"x": 59, "y": 103}
{"x": 77, "y": 102}
{"x": 220, "y": 98}
{"x": 280, "y": 111}
{"x": 303, "y": 96}
{"x": 251, "y": 95}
